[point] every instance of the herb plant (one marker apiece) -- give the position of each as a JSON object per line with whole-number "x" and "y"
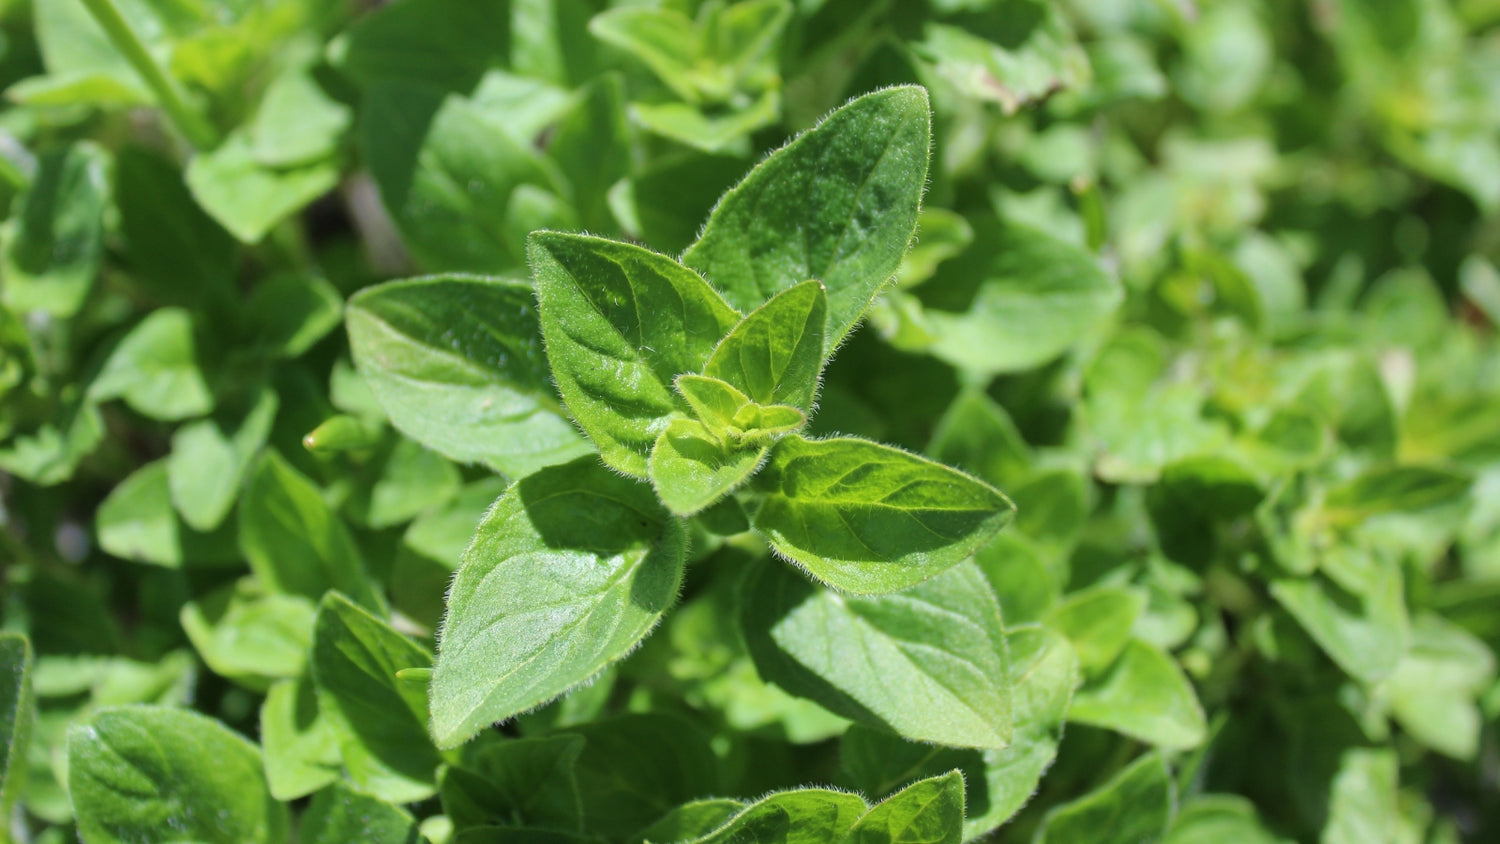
{"x": 710, "y": 422}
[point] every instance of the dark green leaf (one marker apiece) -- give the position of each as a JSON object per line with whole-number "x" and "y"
{"x": 621, "y": 323}
{"x": 292, "y": 312}
{"x": 804, "y": 816}
{"x": 153, "y": 773}
{"x": 526, "y": 782}
{"x": 1134, "y": 805}
{"x": 339, "y": 814}
{"x": 570, "y": 569}
{"x": 929, "y": 811}
{"x": 838, "y": 205}
{"x": 51, "y": 255}
{"x": 175, "y": 249}
{"x": 869, "y": 518}
{"x": 634, "y": 768}
{"x": 379, "y": 719}
{"x": 17, "y": 713}
{"x": 691, "y": 820}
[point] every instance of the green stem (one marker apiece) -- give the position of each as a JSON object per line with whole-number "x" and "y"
{"x": 189, "y": 122}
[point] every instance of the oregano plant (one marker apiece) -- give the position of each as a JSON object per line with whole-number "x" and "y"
{"x": 695, "y": 381}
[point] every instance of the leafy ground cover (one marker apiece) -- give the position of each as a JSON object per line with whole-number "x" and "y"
{"x": 464, "y": 421}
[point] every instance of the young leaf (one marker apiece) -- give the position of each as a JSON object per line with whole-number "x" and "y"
{"x": 838, "y": 204}
{"x": 775, "y": 354}
{"x": 869, "y": 518}
{"x": 248, "y": 198}
{"x": 929, "y": 811}
{"x": 298, "y": 741}
{"x": 137, "y": 522}
{"x": 928, "y": 663}
{"x": 691, "y": 468}
{"x": 17, "y": 714}
{"x": 569, "y": 570}
{"x": 1098, "y": 621}
{"x": 51, "y": 254}
{"x": 457, "y": 364}
{"x": 379, "y": 719}
{"x": 1145, "y": 696}
{"x": 1134, "y": 805}
{"x": 250, "y": 638}
{"x": 339, "y": 814}
{"x": 210, "y": 458}
{"x": 715, "y": 403}
{"x": 295, "y": 544}
{"x": 621, "y": 323}
{"x": 803, "y": 816}
{"x": 155, "y": 369}
{"x": 154, "y": 773}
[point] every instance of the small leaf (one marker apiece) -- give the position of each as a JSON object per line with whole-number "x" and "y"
{"x": 838, "y": 204}
{"x": 155, "y": 369}
{"x": 1145, "y": 696}
{"x": 52, "y": 253}
{"x": 248, "y": 637}
{"x": 17, "y": 714}
{"x": 691, "y": 468}
{"x": 137, "y": 522}
{"x": 1133, "y": 806}
{"x": 248, "y": 198}
{"x": 1362, "y": 803}
{"x": 298, "y": 741}
{"x": 803, "y": 816}
{"x": 869, "y": 518}
{"x": 665, "y": 40}
{"x": 1216, "y": 818}
{"x": 715, "y": 403}
{"x": 297, "y": 123}
{"x": 293, "y": 311}
{"x": 154, "y": 773}
{"x": 295, "y": 544}
{"x": 775, "y": 354}
{"x": 929, "y": 811}
{"x": 1364, "y": 630}
{"x": 339, "y": 814}
{"x": 928, "y": 663}
{"x": 621, "y": 324}
{"x": 691, "y": 820}
{"x": 1098, "y": 622}
{"x": 569, "y": 570}
{"x": 210, "y": 458}
{"x": 457, "y": 364}
{"x": 379, "y": 719}
{"x": 1433, "y": 691}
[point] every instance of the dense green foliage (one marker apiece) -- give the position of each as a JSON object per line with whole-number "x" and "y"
{"x": 710, "y": 421}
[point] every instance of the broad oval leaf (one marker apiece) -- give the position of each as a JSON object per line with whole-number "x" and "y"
{"x": 378, "y": 719}
{"x": 868, "y": 518}
{"x": 155, "y": 773}
{"x": 838, "y": 204}
{"x": 1018, "y": 298}
{"x": 775, "y": 354}
{"x": 803, "y": 816}
{"x": 691, "y": 468}
{"x": 928, "y": 663}
{"x": 1145, "y": 696}
{"x": 457, "y": 364}
{"x": 621, "y": 323}
{"x": 569, "y": 570}
{"x": 339, "y": 814}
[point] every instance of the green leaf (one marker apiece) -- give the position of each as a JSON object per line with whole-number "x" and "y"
{"x": 1098, "y": 622}
{"x": 297, "y": 122}
{"x": 929, "y": 663}
{"x": 691, "y": 468}
{"x": 1362, "y": 803}
{"x": 1017, "y": 299}
{"x": 155, "y": 369}
{"x": 380, "y": 721}
{"x": 691, "y": 820}
{"x": 293, "y": 311}
{"x": 51, "y": 255}
{"x": 1393, "y": 489}
{"x": 775, "y": 355}
{"x": 569, "y": 570}
{"x": 1145, "y": 696}
{"x": 526, "y": 782}
{"x": 153, "y": 773}
{"x": 444, "y": 43}
{"x": 1215, "y": 818}
{"x": 250, "y": 637}
{"x": 929, "y": 811}
{"x": 1134, "y": 805}
{"x": 174, "y": 248}
{"x": 1043, "y": 673}
{"x": 1434, "y": 689}
{"x": 869, "y": 518}
{"x": 665, "y": 40}
{"x": 621, "y": 323}
{"x": 636, "y": 767}
{"x": 709, "y": 131}
{"x": 249, "y": 198}
{"x": 401, "y": 481}
{"x": 838, "y": 204}
{"x": 592, "y": 146}
{"x": 298, "y": 741}
{"x": 295, "y": 544}
{"x": 457, "y": 364}
{"x": 137, "y": 522}
{"x": 17, "y": 714}
{"x": 976, "y": 435}
{"x": 210, "y": 458}
{"x": 1363, "y": 629}
{"x": 460, "y": 188}
{"x": 339, "y": 814}
{"x": 731, "y": 417}
{"x": 1013, "y": 53}
{"x": 803, "y": 816}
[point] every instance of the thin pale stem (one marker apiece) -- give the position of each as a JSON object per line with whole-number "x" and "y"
{"x": 191, "y": 123}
